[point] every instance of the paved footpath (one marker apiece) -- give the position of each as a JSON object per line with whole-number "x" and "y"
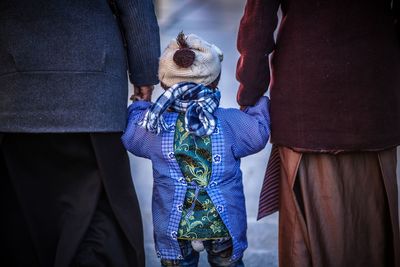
{"x": 216, "y": 21}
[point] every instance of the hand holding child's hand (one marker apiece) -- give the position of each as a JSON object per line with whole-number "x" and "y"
{"x": 143, "y": 92}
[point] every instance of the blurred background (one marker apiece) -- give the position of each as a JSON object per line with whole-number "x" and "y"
{"x": 217, "y": 22}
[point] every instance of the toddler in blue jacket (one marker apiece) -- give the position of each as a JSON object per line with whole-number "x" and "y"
{"x": 195, "y": 148}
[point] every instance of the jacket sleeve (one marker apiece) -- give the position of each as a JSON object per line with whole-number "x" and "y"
{"x": 250, "y": 128}
{"x": 135, "y": 138}
{"x": 255, "y": 43}
{"x": 141, "y": 33}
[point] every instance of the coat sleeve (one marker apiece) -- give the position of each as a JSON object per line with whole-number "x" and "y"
{"x": 141, "y": 32}
{"x": 135, "y": 138}
{"x": 255, "y": 43}
{"x": 250, "y": 128}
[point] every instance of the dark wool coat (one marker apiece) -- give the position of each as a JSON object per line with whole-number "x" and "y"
{"x": 63, "y": 66}
{"x": 335, "y": 79}
{"x": 63, "y": 69}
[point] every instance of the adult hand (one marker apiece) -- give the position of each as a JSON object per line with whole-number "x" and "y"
{"x": 143, "y": 92}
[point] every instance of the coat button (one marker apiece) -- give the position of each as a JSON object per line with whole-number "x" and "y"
{"x": 179, "y": 207}
{"x": 217, "y": 158}
{"x": 171, "y": 155}
{"x": 213, "y": 184}
{"x": 174, "y": 235}
{"x": 220, "y": 208}
{"x": 182, "y": 180}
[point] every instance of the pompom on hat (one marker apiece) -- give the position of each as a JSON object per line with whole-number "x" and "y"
{"x": 188, "y": 58}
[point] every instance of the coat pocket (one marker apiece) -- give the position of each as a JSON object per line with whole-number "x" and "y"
{"x": 52, "y": 44}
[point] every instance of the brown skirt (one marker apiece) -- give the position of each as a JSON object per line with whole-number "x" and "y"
{"x": 338, "y": 210}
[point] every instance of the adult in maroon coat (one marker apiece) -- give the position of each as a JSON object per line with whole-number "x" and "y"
{"x": 335, "y": 114}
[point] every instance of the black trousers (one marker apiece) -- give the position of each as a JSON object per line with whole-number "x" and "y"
{"x": 67, "y": 200}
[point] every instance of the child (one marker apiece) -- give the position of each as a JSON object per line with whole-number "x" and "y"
{"x": 195, "y": 148}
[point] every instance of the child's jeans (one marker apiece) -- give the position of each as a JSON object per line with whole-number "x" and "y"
{"x": 219, "y": 253}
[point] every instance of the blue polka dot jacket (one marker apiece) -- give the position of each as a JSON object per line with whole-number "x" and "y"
{"x": 238, "y": 134}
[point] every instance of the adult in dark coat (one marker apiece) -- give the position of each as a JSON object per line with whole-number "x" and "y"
{"x": 67, "y": 196}
{"x": 335, "y": 122}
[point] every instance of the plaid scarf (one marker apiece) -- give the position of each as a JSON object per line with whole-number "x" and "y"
{"x": 196, "y": 100}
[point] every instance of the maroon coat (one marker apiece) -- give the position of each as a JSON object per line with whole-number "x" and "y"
{"x": 335, "y": 80}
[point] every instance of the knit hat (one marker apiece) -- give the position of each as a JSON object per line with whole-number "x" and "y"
{"x": 189, "y": 59}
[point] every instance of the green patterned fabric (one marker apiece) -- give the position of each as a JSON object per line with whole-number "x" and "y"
{"x": 200, "y": 220}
